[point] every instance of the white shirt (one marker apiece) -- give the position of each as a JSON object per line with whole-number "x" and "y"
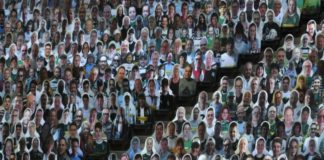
{"x": 278, "y": 18}
{"x": 142, "y": 114}
{"x": 227, "y": 61}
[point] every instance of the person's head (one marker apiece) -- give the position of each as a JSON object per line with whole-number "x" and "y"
{"x": 240, "y": 113}
{"x": 224, "y": 113}
{"x": 270, "y": 14}
{"x": 260, "y": 145}
{"x": 281, "y": 56}
{"x": 247, "y": 72}
{"x": 149, "y": 144}
{"x": 272, "y": 113}
{"x": 238, "y": 85}
{"x": 307, "y": 68}
{"x": 135, "y": 143}
{"x": 224, "y": 83}
{"x": 186, "y": 129}
{"x": 210, "y": 116}
{"x": 171, "y": 129}
{"x": 8, "y": 147}
{"x": 296, "y": 129}
{"x": 285, "y": 83}
{"x": 312, "y": 146}
{"x": 201, "y": 129}
{"x": 210, "y": 145}
{"x": 195, "y": 148}
{"x": 195, "y": 113}
{"x": 252, "y": 31}
{"x": 159, "y": 129}
{"x": 316, "y": 83}
{"x": 188, "y": 72}
{"x": 320, "y": 41}
{"x": 256, "y": 18}
{"x": 276, "y": 146}
{"x": 242, "y": 145}
{"x": 265, "y": 126}
{"x": 229, "y": 47}
{"x": 203, "y": 44}
{"x": 320, "y": 118}
{"x": 293, "y": 147}
{"x": 164, "y": 144}
{"x": 268, "y": 55}
{"x": 62, "y": 149}
{"x": 179, "y": 146}
{"x": 233, "y": 130}
{"x": 73, "y": 129}
{"x": 294, "y": 97}
{"x": 288, "y": 115}
{"x": 138, "y": 157}
{"x": 292, "y": 6}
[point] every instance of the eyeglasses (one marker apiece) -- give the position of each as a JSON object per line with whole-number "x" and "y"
{"x": 203, "y": 44}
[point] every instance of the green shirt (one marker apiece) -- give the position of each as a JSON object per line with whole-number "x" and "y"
{"x": 290, "y": 20}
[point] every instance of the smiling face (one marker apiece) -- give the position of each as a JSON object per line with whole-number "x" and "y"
{"x": 225, "y": 114}
{"x": 242, "y": 145}
{"x": 186, "y": 129}
{"x": 149, "y": 144}
{"x": 291, "y": 6}
{"x": 210, "y": 117}
{"x": 171, "y": 129}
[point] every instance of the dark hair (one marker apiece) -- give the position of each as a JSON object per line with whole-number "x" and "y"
{"x": 195, "y": 145}
{"x": 137, "y": 156}
{"x": 74, "y": 140}
{"x": 276, "y": 140}
{"x": 165, "y": 82}
{"x": 72, "y": 124}
{"x": 98, "y": 125}
{"x": 171, "y": 156}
